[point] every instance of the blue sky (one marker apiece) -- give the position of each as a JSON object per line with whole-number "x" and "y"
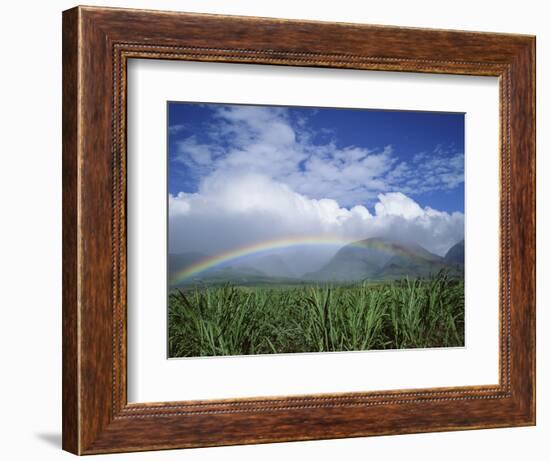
{"x": 420, "y": 154}
{"x": 242, "y": 174}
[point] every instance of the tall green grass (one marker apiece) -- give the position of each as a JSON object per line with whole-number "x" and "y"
{"x": 233, "y": 320}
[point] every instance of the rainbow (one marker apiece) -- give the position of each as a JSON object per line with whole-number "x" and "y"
{"x": 266, "y": 247}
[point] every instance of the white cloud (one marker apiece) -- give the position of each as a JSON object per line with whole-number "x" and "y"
{"x": 398, "y": 204}
{"x": 442, "y": 169}
{"x": 177, "y": 128}
{"x": 264, "y": 140}
{"x": 229, "y": 211}
{"x": 264, "y": 176}
{"x": 193, "y": 153}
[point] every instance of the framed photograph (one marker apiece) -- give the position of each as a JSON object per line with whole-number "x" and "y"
{"x": 281, "y": 230}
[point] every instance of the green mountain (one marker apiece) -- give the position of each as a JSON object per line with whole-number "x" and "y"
{"x": 370, "y": 259}
{"x": 455, "y": 255}
{"x": 412, "y": 267}
{"x": 381, "y": 259}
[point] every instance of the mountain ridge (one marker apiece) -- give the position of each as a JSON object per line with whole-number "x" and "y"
{"x": 378, "y": 258}
{"x": 375, "y": 258}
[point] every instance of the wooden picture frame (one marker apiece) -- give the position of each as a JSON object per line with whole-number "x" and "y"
{"x": 97, "y": 43}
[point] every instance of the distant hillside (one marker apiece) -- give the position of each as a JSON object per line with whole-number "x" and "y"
{"x": 180, "y": 261}
{"x": 380, "y": 259}
{"x": 369, "y": 259}
{"x": 455, "y": 255}
{"x": 269, "y": 265}
{"x": 263, "y": 270}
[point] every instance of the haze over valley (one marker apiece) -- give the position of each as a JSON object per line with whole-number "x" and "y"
{"x": 370, "y": 259}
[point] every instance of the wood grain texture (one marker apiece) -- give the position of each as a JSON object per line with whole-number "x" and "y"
{"x": 70, "y": 383}
{"x": 97, "y": 43}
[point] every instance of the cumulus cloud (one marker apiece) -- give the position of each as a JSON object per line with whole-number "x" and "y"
{"x": 260, "y": 173}
{"x": 267, "y": 141}
{"x": 251, "y": 207}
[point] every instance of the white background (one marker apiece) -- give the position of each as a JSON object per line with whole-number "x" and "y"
{"x": 153, "y": 378}
{"x": 30, "y": 244}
